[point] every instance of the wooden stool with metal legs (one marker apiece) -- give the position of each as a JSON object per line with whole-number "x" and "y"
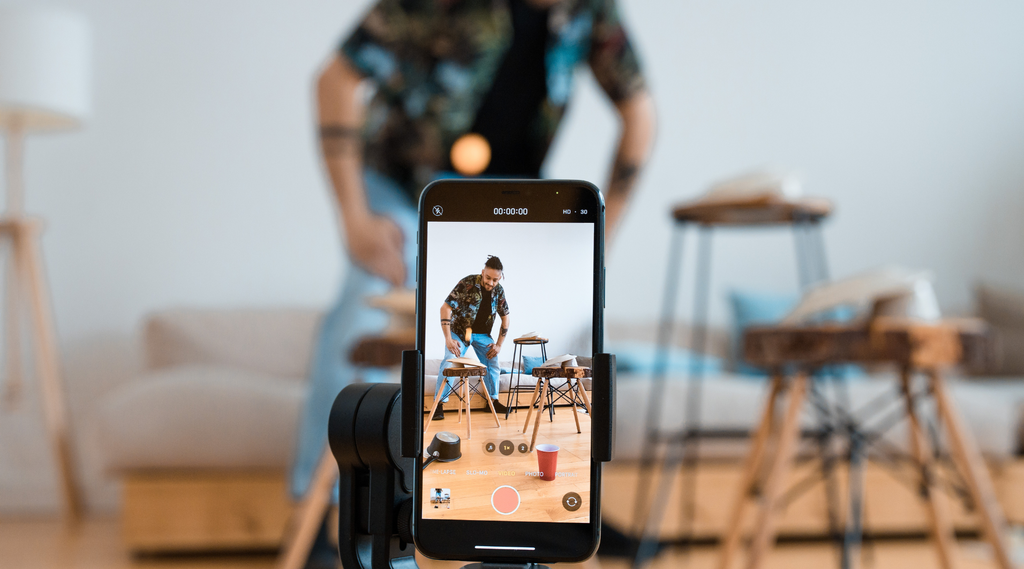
{"x": 462, "y": 390}
{"x": 912, "y": 347}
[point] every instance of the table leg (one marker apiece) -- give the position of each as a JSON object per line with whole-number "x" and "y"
{"x": 469, "y": 412}
{"x": 789, "y": 435}
{"x": 533, "y": 401}
{"x": 750, "y": 469}
{"x": 433, "y": 408}
{"x": 584, "y": 396}
{"x": 942, "y": 529}
{"x": 972, "y": 465}
{"x": 487, "y": 396}
{"x": 462, "y": 399}
{"x": 575, "y": 414}
{"x": 310, "y": 514}
{"x": 536, "y": 424}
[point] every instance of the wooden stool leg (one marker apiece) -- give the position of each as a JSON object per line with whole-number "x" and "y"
{"x": 462, "y": 399}
{"x": 533, "y": 401}
{"x": 789, "y": 435}
{"x": 575, "y": 414}
{"x": 12, "y": 329}
{"x": 544, "y": 403}
{"x": 938, "y": 516}
{"x": 469, "y": 416}
{"x": 433, "y": 408}
{"x": 972, "y": 465}
{"x": 487, "y": 396}
{"x": 586, "y": 398}
{"x": 750, "y": 470}
{"x": 310, "y": 514}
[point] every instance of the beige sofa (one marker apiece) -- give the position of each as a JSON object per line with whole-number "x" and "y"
{"x": 202, "y": 439}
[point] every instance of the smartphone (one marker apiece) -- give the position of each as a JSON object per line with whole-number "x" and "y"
{"x": 510, "y": 274}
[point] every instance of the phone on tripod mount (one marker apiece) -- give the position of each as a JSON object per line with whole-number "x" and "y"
{"x": 511, "y": 406}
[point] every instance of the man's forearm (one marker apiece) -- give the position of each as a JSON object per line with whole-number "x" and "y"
{"x": 504, "y": 330}
{"x": 635, "y": 142}
{"x": 340, "y": 117}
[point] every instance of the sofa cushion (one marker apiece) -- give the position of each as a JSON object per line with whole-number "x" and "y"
{"x": 201, "y": 417}
{"x": 273, "y": 341}
{"x": 1004, "y": 311}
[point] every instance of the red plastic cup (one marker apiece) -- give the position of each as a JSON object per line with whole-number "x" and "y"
{"x": 547, "y": 461}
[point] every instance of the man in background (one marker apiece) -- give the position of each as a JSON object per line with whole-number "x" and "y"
{"x": 440, "y": 70}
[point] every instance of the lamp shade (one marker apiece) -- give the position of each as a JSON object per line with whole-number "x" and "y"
{"x": 45, "y": 68}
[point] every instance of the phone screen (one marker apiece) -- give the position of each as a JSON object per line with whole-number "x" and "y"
{"x": 508, "y": 306}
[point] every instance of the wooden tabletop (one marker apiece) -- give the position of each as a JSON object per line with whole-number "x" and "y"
{"x": 530, "y": 341}
{"x": 762, "y": 211}
{"x": 464, "y": 371}
{"x": 568, "y": 372}
{"x": 884, "y": 340}
{"x": 381, "y": 351}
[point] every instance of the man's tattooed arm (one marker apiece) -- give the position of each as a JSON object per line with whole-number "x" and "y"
{"x": 502, "y": 333}
{"x": 339, "y": 139}
{"x": 624, "y": 175}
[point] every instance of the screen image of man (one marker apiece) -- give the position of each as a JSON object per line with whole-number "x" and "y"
{"x": 467, "y": 320}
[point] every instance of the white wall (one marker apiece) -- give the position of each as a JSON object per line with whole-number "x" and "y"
{"x": 197, "y": 183}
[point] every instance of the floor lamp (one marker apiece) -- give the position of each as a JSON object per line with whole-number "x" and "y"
{"x": 44, "y": 86}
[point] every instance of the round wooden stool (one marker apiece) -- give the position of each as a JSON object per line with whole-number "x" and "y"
{"x": 462, "y": 391}
{"x": 544, "y": 375}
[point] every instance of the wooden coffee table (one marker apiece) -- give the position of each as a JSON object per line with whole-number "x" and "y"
{"x": 544, "y": 375}
{"x": 913, "y": 347}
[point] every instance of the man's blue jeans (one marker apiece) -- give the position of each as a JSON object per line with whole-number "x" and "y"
{"x": 479, "y": 342}
{"x": 343, "y": 325}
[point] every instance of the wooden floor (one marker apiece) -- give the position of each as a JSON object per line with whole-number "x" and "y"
{"x": 46, "y": 544}
{"x": 474, "y": 477}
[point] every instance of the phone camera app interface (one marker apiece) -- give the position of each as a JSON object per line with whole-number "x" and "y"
{"x": 508, "y": 351}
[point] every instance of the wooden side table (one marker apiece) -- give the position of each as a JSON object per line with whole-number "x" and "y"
{"x": 462, "y": 391}
{"x": 544, "y": 375}
{"x": 913, "y": 347}
{"x": 517, "y": 347}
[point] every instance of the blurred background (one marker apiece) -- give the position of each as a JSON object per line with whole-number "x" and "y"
{"x": 196, "y": 180}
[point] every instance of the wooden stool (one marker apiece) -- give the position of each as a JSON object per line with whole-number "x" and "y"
{"x": 371, "y": 351}
{"x": 544, "y": 375}
{"x": 912, "y": 347}
{"x": 462, "y": 391}
{"x": 518, "y": 344}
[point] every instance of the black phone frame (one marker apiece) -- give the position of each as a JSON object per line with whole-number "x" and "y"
{"x": 552, "y": 541}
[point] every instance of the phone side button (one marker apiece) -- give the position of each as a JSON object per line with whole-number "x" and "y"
{"x": 604, "y": 285}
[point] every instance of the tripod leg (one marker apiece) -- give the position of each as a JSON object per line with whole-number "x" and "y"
{"x": 789, "y": 435}
{"x": 938, "y": 516}
{"x": 55, "y": 409}
{"x": 748, "y": 482}
{"x": 965, "y": 453}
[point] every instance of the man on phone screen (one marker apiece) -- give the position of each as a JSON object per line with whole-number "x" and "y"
{"x": 467, "y": 318}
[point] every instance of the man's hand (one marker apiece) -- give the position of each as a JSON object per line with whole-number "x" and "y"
{"x": 375, "y": 244}
{"x": 454, "y": 346}
{"x": 493, "y": 350}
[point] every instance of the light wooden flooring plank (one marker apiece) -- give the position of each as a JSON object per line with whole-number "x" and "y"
{"x": 96, "y": 544}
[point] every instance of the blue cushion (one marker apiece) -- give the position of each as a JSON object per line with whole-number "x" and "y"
{"x": 758, "y": 308}
{"x": 530, "y": 362}
{"x": 753, "y": 308}
{"x": 639, "y": 358}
